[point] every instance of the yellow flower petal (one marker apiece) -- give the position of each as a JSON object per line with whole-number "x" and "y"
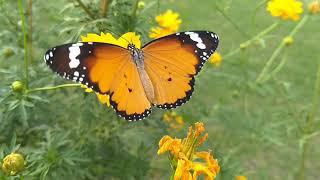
{"x": 199, "y": 128}
{"x": 240, "y": 178}
{"x": 104, "y": 99}
{"x": 285, "y": 9}
{"x": 216, "y": 59}
{"x": 86, "y": 89}
{"x": 158, "y": 32}
{"x": 182, "y": 171}
{"x": 169, "y": 144}
{"x": 123, "y": 41}
{"x": 200, "y": 168}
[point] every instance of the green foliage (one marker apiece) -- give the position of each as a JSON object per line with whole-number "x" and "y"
{"x": 264, "y": 129}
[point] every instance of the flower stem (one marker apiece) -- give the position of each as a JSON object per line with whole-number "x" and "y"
{"x": 85, "y": 8}
{"x": 262, "y": 33}
{"x": 262, "y": 76}
{"x": 29, "y": 37}
{"x": 53, "y": 87}
{"x": 309, "y": 126}
{"x": 20, "y": 7}
{"x": 104, "y": 7}
{"x": 230, "y": 21}
{"x": 135, "y": 7}
{"x": 262, "y": 3}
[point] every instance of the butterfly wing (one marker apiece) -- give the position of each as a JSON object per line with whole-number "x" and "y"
{"x": 173, "y": 61}
{"x": 107, "y": 69}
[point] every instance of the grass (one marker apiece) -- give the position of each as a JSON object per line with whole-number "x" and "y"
{"x": 253, "y": 128}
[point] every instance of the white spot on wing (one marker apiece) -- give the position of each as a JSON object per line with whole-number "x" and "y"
{"x": 76, "y": 73}
{"x": 74, "y": 51}
{"x": 196, "y": 38}
{"x": 47, "y": 57}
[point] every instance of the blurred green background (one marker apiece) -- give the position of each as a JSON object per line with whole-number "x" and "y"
{"x": 255, "y": 129}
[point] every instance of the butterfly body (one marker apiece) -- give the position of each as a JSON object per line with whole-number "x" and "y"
{"x": 161, "y": 73}
{"x": 137, "y": 57}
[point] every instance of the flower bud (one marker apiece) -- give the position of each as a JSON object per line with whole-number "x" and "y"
{"x": 8, "y": 52}
{"x": 17, "y": 86}
{"x": 314, "y": 7}
{"x": 243, "y": 46}
{"x": 141, "y": 4}
{"x": 287, "y": 40}
{"x": 13, "y": 164}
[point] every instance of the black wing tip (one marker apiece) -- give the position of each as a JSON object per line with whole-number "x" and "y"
{"x": 181, "y": 101}
{"x": 131, "y": 117}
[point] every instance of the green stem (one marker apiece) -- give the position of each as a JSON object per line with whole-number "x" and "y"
{"x": 262, "y": 76}
{"x": 104, "y": 7}
{"x": 53, "y": 87}
{"x": 230, "y": 21}
{"x": 248, "y": 42}
{"x": 135, "y": 7}
{"x": 309, "y": 126}
{"x": 85, "y": 8}
{"x": 279, "y": 67}
{"x": 20, "y": 7}
{"x": 29, "y": 37}
{"x": 262, "y": 3}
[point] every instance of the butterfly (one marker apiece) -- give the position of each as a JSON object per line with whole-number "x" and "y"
{"x": 159, "y": 74}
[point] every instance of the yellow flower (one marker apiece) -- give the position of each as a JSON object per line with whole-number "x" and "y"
{"x": 216, "y": 59}
{"x": 285, "y": 9}
{"x": 13, "y": 164}
{"x": 123, "y": 41}
{"x": 287, "y": 40}
{"x": 240, "y": 178}
{"x": 169, "y": 22}
{"x": 188, "y": 163}
{"x": 174, "y": 120}
{"x": 314, "y": 7}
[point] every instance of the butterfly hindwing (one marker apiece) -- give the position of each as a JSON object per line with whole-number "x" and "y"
{"x": 127, "y": 96}
{"x": 173, "y": 61}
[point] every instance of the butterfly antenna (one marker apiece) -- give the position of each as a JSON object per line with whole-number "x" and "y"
{"x": 113, "y": 32}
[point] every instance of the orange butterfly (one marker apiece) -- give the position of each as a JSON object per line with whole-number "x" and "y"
{"x": 161, "y": 73}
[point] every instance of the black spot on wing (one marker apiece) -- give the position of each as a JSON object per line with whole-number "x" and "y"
{"x": 181, "y": 101}
{"x": 129, "y": 117}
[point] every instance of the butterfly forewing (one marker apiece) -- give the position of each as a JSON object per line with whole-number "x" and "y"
{"x": 173, "y": 61}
